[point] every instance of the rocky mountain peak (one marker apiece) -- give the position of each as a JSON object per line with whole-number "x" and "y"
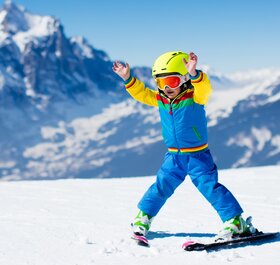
{"x": 13, "y": 18}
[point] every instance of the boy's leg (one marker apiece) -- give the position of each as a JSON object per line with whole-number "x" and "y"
{"x": 169, "y": 177}
{"x": 204, "y": 175}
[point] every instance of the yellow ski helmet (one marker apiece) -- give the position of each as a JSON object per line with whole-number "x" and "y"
{"x": 170, "y": 62}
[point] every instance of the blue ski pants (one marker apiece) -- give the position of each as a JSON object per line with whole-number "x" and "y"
{"x": 204, "y": 175}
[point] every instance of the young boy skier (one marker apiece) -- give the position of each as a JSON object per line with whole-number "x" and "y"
{"x": 182, "y": 93}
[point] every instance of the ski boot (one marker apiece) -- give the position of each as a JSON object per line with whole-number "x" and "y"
{"x": 141, "y": 224}
{"x": 235, "y": 227}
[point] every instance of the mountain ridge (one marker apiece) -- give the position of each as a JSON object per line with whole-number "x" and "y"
{"x": 64, "y": 113}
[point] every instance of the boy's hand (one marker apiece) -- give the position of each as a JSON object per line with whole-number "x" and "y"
{"x": 121, "y": 70}
{"x": 191, "y": 64}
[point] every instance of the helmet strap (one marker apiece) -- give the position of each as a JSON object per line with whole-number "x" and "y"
{"x": 186, "y": 85}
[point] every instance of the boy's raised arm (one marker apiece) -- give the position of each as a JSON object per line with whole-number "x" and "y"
{"x": 135, "y": 87}
{"x": 200, "y": 81}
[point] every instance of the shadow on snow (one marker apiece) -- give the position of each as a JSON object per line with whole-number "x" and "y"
{"x": 163, "y": 234}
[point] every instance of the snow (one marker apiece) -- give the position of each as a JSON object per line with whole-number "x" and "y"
{"x": 3, "y": 14}
{"x": 33, "y": 26}
{"x": 71, "y": 141}
{"x": 39, "y": 26}
{"x": 275, "y": 141}
{"x": 254, "y": 142}
{"x": 86, "y": 222}
{"x": 84, "y": 46}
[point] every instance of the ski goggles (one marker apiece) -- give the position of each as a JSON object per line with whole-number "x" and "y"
{"x": 172, "y": 81}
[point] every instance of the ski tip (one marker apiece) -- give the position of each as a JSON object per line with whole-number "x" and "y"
{"x": 187, "y": 244}
{"x": 141, "y": 240}
{"x": 143, "y": 244}
{"x": 191, "y": 246}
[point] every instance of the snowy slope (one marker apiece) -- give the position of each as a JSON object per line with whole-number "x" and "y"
{"x": 82, "y": 222}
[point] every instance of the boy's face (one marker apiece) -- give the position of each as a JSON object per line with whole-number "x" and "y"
{"x": 172, "y": 92}
{"x": 170, "y": 84}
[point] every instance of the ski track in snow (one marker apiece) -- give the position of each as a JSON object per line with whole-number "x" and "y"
{"x": 88, "y": 221}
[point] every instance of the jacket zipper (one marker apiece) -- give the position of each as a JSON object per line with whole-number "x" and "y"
{"x": 171, "y": 113}
{"x": 170, "y": 109}
{"x": 171, "y": 101}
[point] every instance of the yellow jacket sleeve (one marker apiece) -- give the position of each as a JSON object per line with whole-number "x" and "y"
{"x": 141, "y": 93}
{"x": 202, "y": 87}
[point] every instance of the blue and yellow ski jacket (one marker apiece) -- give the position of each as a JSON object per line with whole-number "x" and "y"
{"x": 184, "y": 124}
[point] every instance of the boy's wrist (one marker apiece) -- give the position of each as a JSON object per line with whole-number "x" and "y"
{"x": 127, "y": 80}
{"x": 195, "y": 74}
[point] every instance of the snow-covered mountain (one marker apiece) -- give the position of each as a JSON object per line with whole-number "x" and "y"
{"x": 82, "y": 222}
{"x": 247, "y": 131}
{"x": 65, "y": 114}
{"x": 45, "y": 77}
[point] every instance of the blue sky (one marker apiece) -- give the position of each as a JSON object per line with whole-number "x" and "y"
{"x": 227, "y": 35}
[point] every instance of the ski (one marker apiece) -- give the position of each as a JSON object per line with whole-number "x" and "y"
{"x": 141, "y": 240}
{"x": 236, "y": 241}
